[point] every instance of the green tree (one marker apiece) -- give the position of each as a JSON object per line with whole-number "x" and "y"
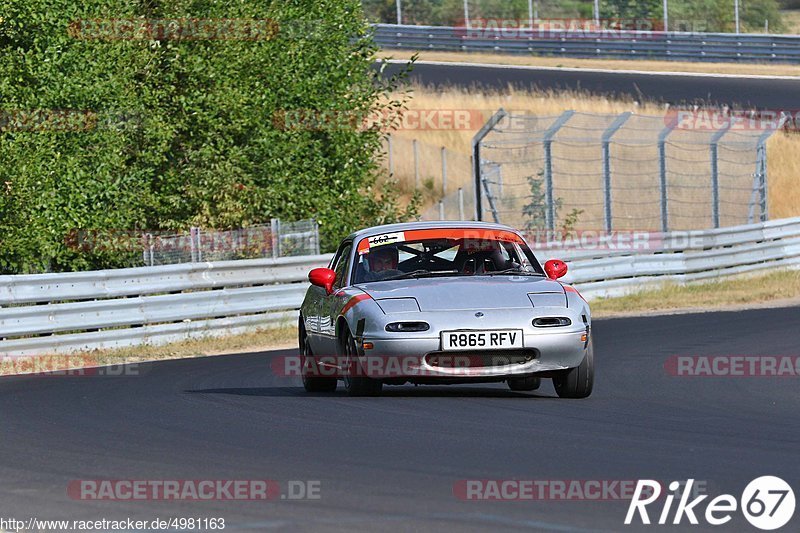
{"x": 182, "y": 132}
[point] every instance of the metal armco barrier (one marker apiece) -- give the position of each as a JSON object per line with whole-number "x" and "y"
{"x": 63, "y": 313}
{"x": 683, "y": 256}
{"x": 620, "y": 44}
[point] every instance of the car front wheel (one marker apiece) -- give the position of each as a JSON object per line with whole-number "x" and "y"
{"x": 577, "y": 382}
{"x": 356, "y": 383}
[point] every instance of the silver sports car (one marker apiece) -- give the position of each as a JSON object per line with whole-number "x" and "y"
{"x": 443, "y": 302}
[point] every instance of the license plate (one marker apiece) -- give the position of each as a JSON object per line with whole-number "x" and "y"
{"x": 488, "y": 339}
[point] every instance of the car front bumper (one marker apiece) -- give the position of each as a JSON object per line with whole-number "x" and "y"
{"x": 422, "y": 357}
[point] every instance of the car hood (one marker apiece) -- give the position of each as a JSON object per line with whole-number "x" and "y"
{"x": 474, "y": 292}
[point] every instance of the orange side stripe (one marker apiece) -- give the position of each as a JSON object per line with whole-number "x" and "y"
{"x": 353, "y": 301}
{"x": 570, "y": 288}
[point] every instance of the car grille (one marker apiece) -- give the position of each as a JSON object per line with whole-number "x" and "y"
{"x": 480, "y": 359}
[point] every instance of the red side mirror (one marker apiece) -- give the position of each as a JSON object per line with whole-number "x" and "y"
{"x": 322, "y": 277}
{"x": 555, "y": 268}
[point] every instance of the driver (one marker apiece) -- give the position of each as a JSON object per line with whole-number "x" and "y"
{"x": 382, "y": 259}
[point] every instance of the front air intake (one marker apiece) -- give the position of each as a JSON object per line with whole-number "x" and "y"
{"x": 551, "y": 322}
{"x": 403, "y": 327}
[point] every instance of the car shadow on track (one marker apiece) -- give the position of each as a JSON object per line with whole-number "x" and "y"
{"x": 392, "y": 392}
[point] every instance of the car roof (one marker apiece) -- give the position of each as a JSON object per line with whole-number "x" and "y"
{"x": 430, "y": 224}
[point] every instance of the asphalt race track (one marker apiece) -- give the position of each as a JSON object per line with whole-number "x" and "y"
{"x": 760, "y": 93}
{"x": 390, "y": 463}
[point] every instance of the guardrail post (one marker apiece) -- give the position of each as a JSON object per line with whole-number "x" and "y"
{"x": 610, "y": 131}
{"x": 662, "y": 170}
{"x": 715, "y": 172}
{"x": 476, "y": 157}
{"x": 547, "y": 140}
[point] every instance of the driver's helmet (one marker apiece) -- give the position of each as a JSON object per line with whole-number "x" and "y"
{"x": 383, "y": 258}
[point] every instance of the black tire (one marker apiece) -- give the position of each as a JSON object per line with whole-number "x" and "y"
{"x": 525, "y": 384}
{"x": 355, "y": 383}
{"x": 312, "y": 383}
{"x": 577, "y": 382}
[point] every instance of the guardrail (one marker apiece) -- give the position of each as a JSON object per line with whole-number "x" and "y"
{"x": 62, "y": 313}
{"x": 617, "y": 44}
{"x": 684, "y": 256}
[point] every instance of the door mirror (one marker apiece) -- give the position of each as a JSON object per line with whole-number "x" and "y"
{"x": 322, "y": 277}
{"x": 555, "y": 268}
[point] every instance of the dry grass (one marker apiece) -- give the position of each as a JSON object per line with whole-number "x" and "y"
{"x": 791, "y": 19}
{"x": 783, "y": 162}
{"x": 262, "y": 340}
{"x": 487, "y": 102}
{"x": 783, "y": 148}
{"x": 755, "y": 69}
{"x": 741, "y": 291}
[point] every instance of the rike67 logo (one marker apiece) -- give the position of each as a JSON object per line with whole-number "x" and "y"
{"x": 767, "y": 503}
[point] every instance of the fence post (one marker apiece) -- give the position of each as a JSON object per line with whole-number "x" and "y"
{"x": 662, "y": 168}
{"x": 198, "y": 236}
{"x": 315, "y": 229}
{"x": 476, "y": 157}
{"x": 761, "y": 169}
{"x": 610, "y": 131}
{"x": 490, "y": 199}
{"x": 150, "y": 247}
{"x": 415, "y": 145}
{"x": 715, "y": 173}
{"x": 547, "y": 140}
{"x": 389, "y": 148}
{"x": 444, "y": 171}
{"x": 460, "y": 203}
{"x": 274, "y": 227}
{"x": 193, "y": 243}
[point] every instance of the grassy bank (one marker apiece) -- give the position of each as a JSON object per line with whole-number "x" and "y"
{"x": 739, "y": 292}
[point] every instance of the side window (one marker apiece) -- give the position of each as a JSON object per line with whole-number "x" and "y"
{"x": 341, "y": 264}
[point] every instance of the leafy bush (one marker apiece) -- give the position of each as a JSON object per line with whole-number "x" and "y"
{"x": 177, "y": 132}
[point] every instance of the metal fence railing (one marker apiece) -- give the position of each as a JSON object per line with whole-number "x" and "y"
{"x": 685, "y": 46}
{"x": 620, "y": 172}
{"x": 278, "y": 239}
{"x": 63, "y": 313}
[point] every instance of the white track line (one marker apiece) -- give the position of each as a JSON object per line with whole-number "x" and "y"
{"x": 598, "y": 70}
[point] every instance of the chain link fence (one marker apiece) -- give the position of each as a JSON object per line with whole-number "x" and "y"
{"x": 621, "y": 172}
{"x": 278, "y": 239}
{"x": 443, "y": 176}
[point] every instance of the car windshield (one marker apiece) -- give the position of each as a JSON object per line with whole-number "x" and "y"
{"x": 442, "y": 253}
